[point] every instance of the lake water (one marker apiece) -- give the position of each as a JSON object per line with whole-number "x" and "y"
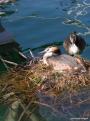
{"x": 35, "y": 23}
{"x": 39, "y": 22}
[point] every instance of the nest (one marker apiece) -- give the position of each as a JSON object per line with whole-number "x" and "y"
{"x": 38, "y": 84}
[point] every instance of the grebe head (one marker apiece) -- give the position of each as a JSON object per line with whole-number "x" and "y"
{"x": 49, "y": 52}
{"x": 72, "y": 47}
{"x": 73, "y": 37}
{"x": 52, "y": 50}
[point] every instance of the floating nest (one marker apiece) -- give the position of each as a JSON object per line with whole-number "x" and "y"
{"x": 37, "y": 84}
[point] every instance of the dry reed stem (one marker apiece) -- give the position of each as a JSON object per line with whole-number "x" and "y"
{"x": 27, "y": 82}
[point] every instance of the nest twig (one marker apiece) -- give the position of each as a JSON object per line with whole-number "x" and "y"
{"x": 35, "y": 82}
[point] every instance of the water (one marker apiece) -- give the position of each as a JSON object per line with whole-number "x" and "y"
{"x": 35, "y": 23}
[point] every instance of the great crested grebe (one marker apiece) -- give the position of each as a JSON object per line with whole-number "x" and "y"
{"x": 74, "y": 44}
{"x": 61, "y": 62}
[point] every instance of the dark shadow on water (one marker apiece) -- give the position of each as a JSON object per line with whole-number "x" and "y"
{"x": 9, "y": 48}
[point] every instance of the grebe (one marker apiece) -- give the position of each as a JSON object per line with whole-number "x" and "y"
{"x": 61, "y": 62}
{"x": 74, "y": 44}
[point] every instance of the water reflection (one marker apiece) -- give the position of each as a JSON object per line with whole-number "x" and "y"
{"x": 75, "y": 8}
{"x": 7, "y": 7}
{"x": 77, "y": 23}
{"x": 77, "y": 16}
{"x": 6, "y": 1}
{"x": 80, "y": 9}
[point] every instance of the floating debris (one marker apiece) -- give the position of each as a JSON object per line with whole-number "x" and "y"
{"x": 74, "y": 22}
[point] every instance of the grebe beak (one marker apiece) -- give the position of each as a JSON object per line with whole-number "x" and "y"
{"x": 42, "y": 52}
